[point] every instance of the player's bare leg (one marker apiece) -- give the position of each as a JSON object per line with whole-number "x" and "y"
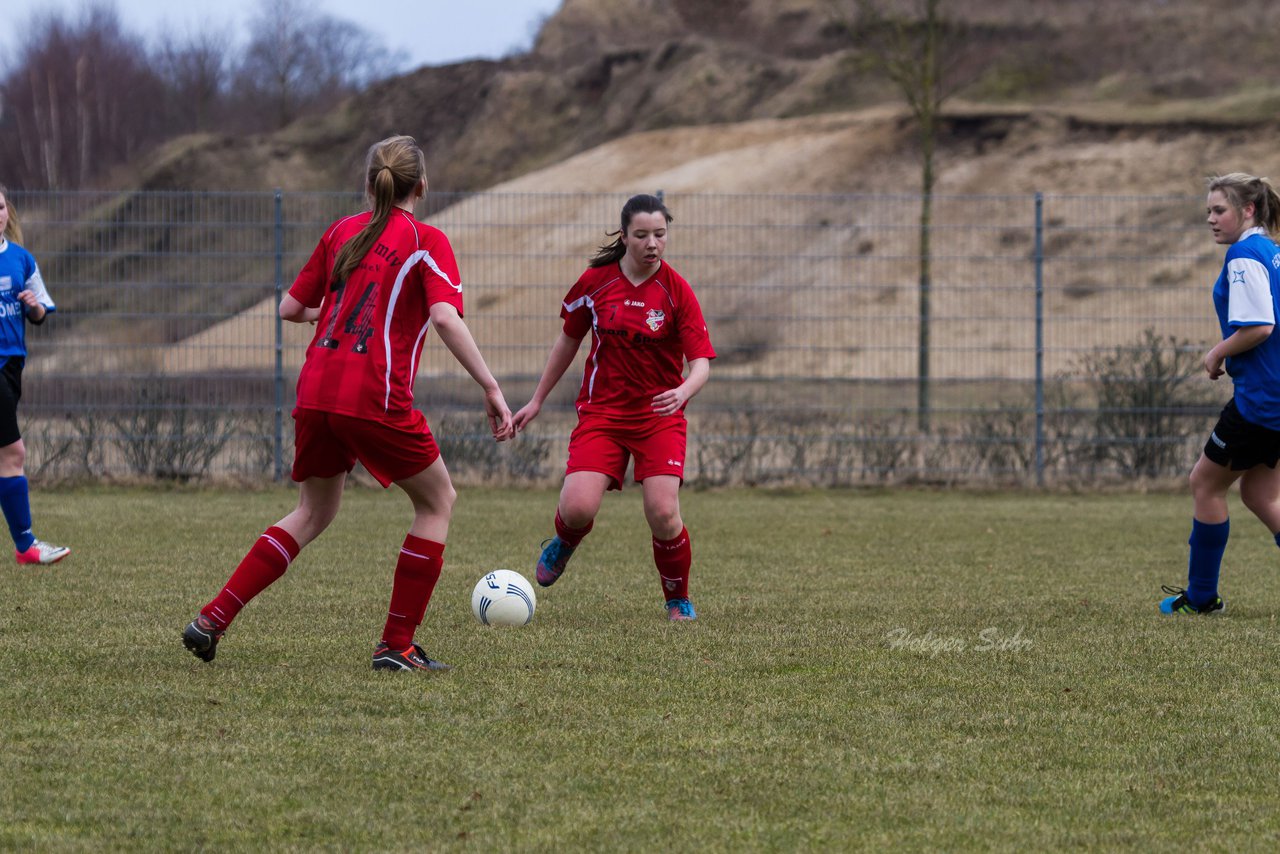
{"x": 580, "y": 499}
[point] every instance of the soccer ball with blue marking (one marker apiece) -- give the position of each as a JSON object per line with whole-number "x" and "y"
{"x": 503, "y": 598}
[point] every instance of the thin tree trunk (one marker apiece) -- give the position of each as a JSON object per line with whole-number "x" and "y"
{"x": 84, "y": 121}
{"x": 923, "y": 401}
{"x": 927, "y": 116}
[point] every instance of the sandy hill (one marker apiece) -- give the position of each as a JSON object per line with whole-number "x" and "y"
{"x": 778, "y": 97}
{"x": 1013, "y": 152}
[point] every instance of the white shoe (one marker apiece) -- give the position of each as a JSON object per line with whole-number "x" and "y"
{"x": 41, "y": 552}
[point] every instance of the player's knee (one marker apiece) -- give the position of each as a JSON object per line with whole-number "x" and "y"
{"x": 1203, "y": 485}
{"x": 438, "y": 501}
{"x": 664, "y": 522}
{"x": 13, "y": 456}
{"x": 576, "y": 515}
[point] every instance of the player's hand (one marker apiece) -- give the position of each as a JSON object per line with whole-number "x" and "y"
{"x": 527, "y": 413}
{"x": 1213, "y": 364}
{"x": 35, "y": 311}
{"x": 669, "y": 401}
{"x": 495, "y": 406}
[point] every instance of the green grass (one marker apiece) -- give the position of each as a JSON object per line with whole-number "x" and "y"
{"x": 784, "y": 719}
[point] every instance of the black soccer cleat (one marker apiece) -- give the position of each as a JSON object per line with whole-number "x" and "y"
{"x": 201, "y": 636}
{"x": 410, "y": 658}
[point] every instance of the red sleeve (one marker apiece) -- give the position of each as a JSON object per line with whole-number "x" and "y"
{"x": 440, "y": 274}
{"x": 575, "y": 310}
{"x": 694, "y": 338}
{"x": 313, "y": 282}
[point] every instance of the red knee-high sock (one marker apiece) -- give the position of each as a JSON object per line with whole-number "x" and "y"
{"x": 417, "y": 571}
{"x": 572, "y": 536}
{"x": 261, "y": 567}
{"x": 673, "y": 558}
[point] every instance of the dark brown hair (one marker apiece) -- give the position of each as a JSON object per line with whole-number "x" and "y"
{"x": 642, "y": 203}
{"x": 392, "y": 171}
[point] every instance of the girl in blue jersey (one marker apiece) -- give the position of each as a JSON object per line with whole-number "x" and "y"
{"x": 22, "y": 298}
{"x": 1244, "y": 215}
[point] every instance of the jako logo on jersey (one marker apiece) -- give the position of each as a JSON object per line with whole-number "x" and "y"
{"x": 675, "y": 463}
{"x": 654, "y": 319}
{"x": 633, "y": 302}
{"x": 6, "y": 283}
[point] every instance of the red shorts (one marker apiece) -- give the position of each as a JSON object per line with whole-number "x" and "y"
{"x": 604, "y": 445}
{"x": 327, "y": 444}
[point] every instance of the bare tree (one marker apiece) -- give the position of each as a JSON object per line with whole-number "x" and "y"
{"x": 78, "y": 100}
{"x": 920, "y": 50}
{"x": 195, "y": 68}
{"x": 297, "y": 60}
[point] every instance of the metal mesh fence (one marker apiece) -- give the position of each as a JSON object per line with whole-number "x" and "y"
{"x": 1057, "y": 338}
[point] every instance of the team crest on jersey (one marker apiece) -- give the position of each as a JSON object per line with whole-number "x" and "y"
{"x": 655, "y": 318}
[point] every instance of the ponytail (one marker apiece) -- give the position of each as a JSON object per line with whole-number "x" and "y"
{"x": 1242, "y": 189}
{"x": 609, "y": 252}
{"x": 393, "y": 170}
{"x": 1269, "y": 210}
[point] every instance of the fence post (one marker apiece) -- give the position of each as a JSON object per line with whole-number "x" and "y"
{"x": 1039, "y": 265}
{"x": 279, "y": 369}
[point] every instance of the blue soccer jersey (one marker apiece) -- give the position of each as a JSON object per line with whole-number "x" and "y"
{"x": 18, "y": 272}
{"x": 1245, "y": 295}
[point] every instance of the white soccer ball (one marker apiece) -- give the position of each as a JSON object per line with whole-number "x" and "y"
{"x": 503, "y": 598}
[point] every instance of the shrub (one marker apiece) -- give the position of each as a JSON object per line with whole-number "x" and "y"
{"x": 1146, "y": 408}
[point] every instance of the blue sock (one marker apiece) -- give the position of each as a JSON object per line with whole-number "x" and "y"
{"x": 1207, "y": 542}
{"x": 16, "y": 505}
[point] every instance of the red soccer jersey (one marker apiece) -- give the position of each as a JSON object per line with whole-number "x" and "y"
{"x": 641, "y": 336}
{"x": 364, "y": 356}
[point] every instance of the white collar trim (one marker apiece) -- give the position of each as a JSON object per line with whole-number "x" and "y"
{"x": 1250, "y": 232}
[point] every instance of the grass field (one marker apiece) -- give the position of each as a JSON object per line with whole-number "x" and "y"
{"x": 909, "y": 669}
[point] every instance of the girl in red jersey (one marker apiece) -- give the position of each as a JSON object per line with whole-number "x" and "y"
{"x": 645, "y": 322}
{"x": 373, "y": 285}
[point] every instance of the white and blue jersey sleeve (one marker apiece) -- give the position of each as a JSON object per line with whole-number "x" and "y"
{"x": 18, "y": 272}
{"x": 1246, "y": 294}
{"x": 1249, "y": 298}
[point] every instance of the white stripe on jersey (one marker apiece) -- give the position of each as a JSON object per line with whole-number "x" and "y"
{"x": 595, "y": 359}
{"x": 1249, "y": 300}
{"x": 424, "y": 256}
{"x": 590, "y": 303}
{"x": 333, "y": 229}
